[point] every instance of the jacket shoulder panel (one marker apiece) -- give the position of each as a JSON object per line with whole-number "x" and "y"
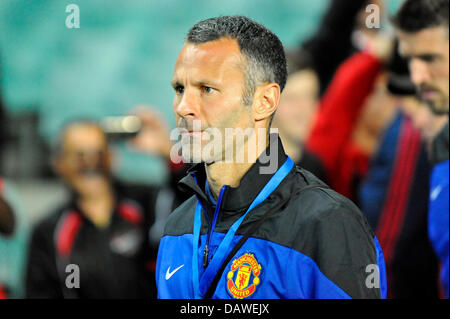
{"x": 181, "y": 220}
{"x": 331, "y": 231}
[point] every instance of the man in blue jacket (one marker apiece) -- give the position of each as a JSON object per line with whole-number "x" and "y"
{"x": 423, "y": 32}
{"x": 261, "y": 227}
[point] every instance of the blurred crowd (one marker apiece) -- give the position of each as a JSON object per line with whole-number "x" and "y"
{"x": 366, "y": 111}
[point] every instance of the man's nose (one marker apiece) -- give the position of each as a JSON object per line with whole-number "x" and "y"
{"x": 420, "y": 73}
{"x": 90, "y": 159}
{"x": 188, "y": 106}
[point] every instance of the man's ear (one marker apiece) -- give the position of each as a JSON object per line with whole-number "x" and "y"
{"x": 267, "y": 98}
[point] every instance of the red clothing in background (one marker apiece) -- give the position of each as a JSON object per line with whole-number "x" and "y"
{"x": 331, "y": 136}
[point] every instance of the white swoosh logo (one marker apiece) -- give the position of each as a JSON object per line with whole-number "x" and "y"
{"x": 436, "y": 191}
{"x": 171, "y": 273}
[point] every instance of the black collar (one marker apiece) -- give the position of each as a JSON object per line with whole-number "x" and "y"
{"x": 238, "y": 199}
{"x": 440, "y": 147}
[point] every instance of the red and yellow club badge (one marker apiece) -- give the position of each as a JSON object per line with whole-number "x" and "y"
{"x": 243, "y": 276}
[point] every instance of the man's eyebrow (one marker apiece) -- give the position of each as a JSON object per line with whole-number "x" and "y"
{"x": 423, "y": 57}
{"x": 175, "y": 83}
{"x": 427, "y": 56}
{"x": 206, "y": 83}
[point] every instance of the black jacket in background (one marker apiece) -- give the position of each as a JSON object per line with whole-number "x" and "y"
{"x": 115, "y": 262}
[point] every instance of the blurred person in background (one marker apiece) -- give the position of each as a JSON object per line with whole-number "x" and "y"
{"x": 14, "y": 236}
{"x": 296, "y": 113}
{"x": 6, "y": 214}
{"x": 423, "y": 31}
{"x": 6, "y": 225}
{"x": 14, "y": 229}
{"x": 374, "y": 155}
{"x": 352, "y": 115}
{"x": 2, "y": 120}
{"x": 334, "y": 41}
{"x": 104, "y": 229}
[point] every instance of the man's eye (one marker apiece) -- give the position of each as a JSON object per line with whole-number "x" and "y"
{"x": 428, "y": 58}
{"x": 179, "y": 89}
{"x": 207, "y": 89}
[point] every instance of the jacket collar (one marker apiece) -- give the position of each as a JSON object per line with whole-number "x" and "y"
{"x": 439, "y": 147}
{"x": 237, "y": 199}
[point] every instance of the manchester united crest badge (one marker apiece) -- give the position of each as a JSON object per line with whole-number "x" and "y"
{"x": 243, "y": 276}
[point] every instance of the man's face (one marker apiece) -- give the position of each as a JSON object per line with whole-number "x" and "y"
{"x": 428, "y": 55}
{"x": 209, "y": 81}
{"x": 298, "y": 106}
{"x": 84, "y": 161}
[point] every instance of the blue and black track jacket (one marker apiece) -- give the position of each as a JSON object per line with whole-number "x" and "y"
{"x": 438, "y": 223}
{"x": 317, "y": 245}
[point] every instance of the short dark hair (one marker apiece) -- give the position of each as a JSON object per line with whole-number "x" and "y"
{"x": 262, "y": 49}
{"x": 416, "y": 15}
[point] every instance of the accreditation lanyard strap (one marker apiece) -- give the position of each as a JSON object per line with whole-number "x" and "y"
{"x": 224, "y": 246}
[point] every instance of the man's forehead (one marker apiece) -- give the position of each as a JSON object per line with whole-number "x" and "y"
{"x": 84, "y": 134}
{"x": 426, "y": 40}
{"x": 212, "y": 55}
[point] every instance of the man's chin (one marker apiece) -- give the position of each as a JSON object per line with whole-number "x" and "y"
{"x": 192, "y": 153}
{"x": 192, "y": 158}
{"x": 438, "y": 105}
{"x": 92, "y": 184}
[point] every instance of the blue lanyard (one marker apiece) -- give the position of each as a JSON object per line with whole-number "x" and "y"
{"x": 224, "y": 246}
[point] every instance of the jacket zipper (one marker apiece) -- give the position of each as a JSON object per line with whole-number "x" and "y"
{"x": 212, "y": 226}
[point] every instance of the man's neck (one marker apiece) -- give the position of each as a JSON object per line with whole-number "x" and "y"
{"x": 231, "y": 173}
{"x": 292, "y": 147}
{"x": 220, "y": 174}
{"x": 98, "y": 208}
